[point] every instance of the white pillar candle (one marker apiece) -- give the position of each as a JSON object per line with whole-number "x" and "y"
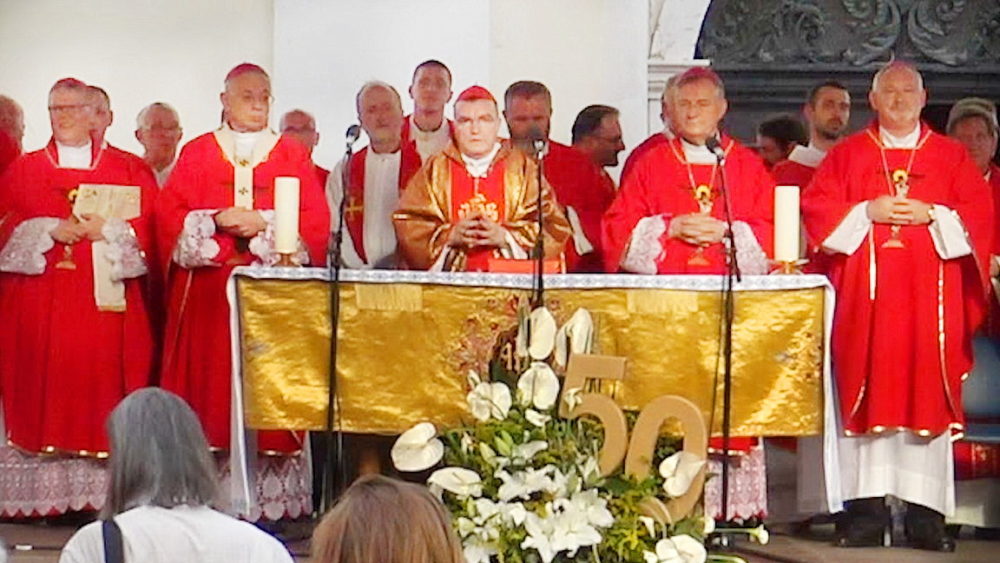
{"x": 786, "y": 223}
{"x": 286, "y": 214}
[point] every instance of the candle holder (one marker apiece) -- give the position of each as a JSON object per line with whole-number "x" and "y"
{"x": 286, "y": 260}
{"x": 784, "y": 267}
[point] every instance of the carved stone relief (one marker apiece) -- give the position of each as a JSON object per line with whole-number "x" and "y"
{"x": 855, "y": 32}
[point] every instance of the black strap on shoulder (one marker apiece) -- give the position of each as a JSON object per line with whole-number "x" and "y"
{"x": 113, "y": 552}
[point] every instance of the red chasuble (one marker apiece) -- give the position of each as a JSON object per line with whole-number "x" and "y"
{"x": 65, "y": 364}
{"x": 471, "y": 195}
{"x": 322, "y": 174}
{"x": 791, "y": 173}
{"x": 654, "y": 140}
{"x": 661, "y": 182}
{"x": 196, "y": 360}
{"x": 577, "y": 183}
{"x": 354, "y": 213}
{"x": 993, "y": 322}
{"x": 904, "y": 317}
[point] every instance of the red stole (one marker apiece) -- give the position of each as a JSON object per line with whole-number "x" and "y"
{"x": 469, "y": 195}
{"x": 354, "y": 213}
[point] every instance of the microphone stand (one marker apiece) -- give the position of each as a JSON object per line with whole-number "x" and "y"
{"x": 728, "y": 310}
{"x": 539, "y": 290}
{"x": 334, "y": 456}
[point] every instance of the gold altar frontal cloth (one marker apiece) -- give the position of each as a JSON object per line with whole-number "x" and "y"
{"x": 404, "y": 350}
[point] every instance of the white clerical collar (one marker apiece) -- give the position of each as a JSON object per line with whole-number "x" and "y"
{"x": 478, "y": 167}
{"x": 697, "y": 154}
{"x": 74, "y": 157}
{"x": 245, "y": 142}
{"x": 908, "y": 141}
{"x": 809, "y": 156}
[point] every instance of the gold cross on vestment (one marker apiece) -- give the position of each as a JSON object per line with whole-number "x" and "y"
{"x": 353, "y": 207}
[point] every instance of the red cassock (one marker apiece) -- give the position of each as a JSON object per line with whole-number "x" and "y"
{"x": 652, "y": 141}
{"x": 196, "y": 357}
{"x": 904, "y": 317}
{"x": 661, "y": 182}
{"x": 577, "y": 183}
{"x": 354, "y": 212}
{"x": 65, "y": 363}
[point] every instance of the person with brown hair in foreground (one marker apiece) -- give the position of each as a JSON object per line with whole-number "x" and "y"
{"x": 383, "y": 520}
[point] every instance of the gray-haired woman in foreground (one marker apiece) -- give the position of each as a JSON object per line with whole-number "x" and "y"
{"x": 162, "y": 480}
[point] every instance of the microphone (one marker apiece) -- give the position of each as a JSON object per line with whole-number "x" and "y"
{"x": 713, "y": 144}
{"x": 353, "y": 132}
{"x": 538, "y": 141}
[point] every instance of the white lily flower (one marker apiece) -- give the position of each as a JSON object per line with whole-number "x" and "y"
{"x": 537, "y": 418}
{"x": 523, "y": 453}
{"x": 523, "y": 484}
{"x": 540, "y": 537}
{"x": 538, "y": 385}
{"x": 462, "y": 482}
{"x": 489, "y": 400}
{"x": 708, "y": 524}
{"x": 417, "y": 449}
{"x": 589, "y": 504}
{"x": 590, "y": 471}
{"x": 476, "y": 550}
{"x": 679, "y": 471}
{"x": 576, "y": 336}
{"x": 677, "y": 549}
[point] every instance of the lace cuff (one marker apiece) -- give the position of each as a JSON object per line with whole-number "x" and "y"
{"x": 25, "y": 252}
{"x": 127, "y": 259}
{"x": 644, "y": 248}
{"x": 749, "y": 254}
{"x": 196, "y": 246}
{"x": 262, "y": 244}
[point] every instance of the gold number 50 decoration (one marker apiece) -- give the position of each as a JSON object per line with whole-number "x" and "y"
{"x": 637, "y": 452}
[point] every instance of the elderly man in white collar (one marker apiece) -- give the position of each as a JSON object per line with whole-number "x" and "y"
{"x": 75, "y": 232}
{"x": 477, "y": 199}
{"x": 905, "y": 217}
{"x": 669, "y": 218}
{"x": 215, "y": 213}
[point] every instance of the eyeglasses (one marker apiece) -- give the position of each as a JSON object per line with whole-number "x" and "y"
{"x": 69, "y": 108}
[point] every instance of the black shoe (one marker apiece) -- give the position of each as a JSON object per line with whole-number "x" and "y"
{"x": 943, "y": 543}
{"x": 925, "y": 529}
{"x": 863, "y": 523}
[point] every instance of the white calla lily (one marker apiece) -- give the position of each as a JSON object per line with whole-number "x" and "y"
{"x": 524, "y": 452}
{"x": 679, "y": 471}
{"x": 543, "y": 334}
{"x": 488, "y": 400}
{"x": 572, "y": 397}
{"x": 677, "y": 549}
{"x": 539, "y": 386}
{"x": 576, "y": 336}
{"x": 462, "y": 482}
{"x": 417, "y": 449}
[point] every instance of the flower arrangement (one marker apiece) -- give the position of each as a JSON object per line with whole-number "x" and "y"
{"x": 525, "y": 485}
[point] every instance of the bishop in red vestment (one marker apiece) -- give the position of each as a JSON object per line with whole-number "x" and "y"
{"x": 907, "y": 220}
{"x": 668, "y": 218}
{"x": 76, "y": 336}
{"x": 216, "y": 213}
